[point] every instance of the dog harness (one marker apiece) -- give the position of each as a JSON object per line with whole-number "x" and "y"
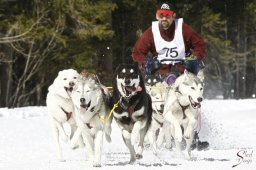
{"x": 183, "y": 110}
{"x": 129, "y": 108}
{"x": 182, "y": 107}
{"x": 160, "y": 123}
{"x": 68, "y": 114}
{"x": 88, "y": 125}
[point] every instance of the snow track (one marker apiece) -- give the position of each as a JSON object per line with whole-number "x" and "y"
{"x": 229, "y": 125}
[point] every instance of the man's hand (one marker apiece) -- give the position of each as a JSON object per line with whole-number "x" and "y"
{"x": 152, "y": 66}
{"x": 191, "y": 64}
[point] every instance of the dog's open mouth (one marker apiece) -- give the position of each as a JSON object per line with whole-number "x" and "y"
{"x": 69, "y": 89}
{"x": 128, "y": 89}
{"x": 193, "y": 103}
{"x": 85, "y": 106}
{"x": 160, "y": 111}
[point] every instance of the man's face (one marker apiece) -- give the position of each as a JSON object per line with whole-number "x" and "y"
{"x": 165, "y": 20}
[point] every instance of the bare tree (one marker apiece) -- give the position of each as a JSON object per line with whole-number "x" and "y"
{"x": 33, "y": 52}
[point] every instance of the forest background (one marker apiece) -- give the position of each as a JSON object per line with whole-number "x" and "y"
{"x": 38, "y": 38}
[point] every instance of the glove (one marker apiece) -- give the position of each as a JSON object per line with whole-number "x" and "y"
{"x": 152, "y": 66}
{"x": 191, "y": 64}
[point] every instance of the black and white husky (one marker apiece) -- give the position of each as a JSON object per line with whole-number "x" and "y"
{"x": 159, "y": 128}
{"x": 133, "y": 112}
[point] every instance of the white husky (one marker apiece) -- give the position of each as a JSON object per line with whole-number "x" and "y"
{"x": 93, "y": 117}
{"x": 181, "y": 109}
{"x": 60, "y": 107}
{"x": 157, "y": 91}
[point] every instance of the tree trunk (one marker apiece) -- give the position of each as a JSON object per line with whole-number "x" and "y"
{"x": 6, "y": 70}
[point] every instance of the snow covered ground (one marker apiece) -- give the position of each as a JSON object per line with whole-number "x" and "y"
{"x": 229, "y": 125}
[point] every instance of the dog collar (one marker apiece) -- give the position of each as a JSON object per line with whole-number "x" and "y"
{"x": 160, "y": 123}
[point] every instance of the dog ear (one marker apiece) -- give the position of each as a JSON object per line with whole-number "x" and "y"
{"x": 186, "y": 72}
{"x": 152, "y": 93}
{"x": 118, "y": 68}
{"x": 60, "y": 72}
{"x": 164, "y": 84}
{"x": 200, "y": 75}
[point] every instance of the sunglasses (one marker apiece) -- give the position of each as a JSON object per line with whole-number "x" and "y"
{"x": 161, "y": 16}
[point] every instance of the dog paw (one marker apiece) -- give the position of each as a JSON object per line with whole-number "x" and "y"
{"x": 138, "y": 156}
{"x": 73, "y": 145}
{"x": 96, "y": 164}
{"x": 61, "y": 159}
{"x": 132, "y": 160}
{"x": 81, "y": 144}
{"x": 187, "y": 134}
{"x": 187, "y": 155}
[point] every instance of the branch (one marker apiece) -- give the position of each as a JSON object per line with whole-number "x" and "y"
{"x": 20, "y": 36}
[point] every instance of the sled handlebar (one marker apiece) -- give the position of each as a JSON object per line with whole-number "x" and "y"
{"x": 179, "y": 60}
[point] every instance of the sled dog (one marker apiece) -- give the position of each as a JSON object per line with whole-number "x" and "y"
{"x": 60, "y": 107}
{"x": 93, "y": 116}
{"x": 134, "y": 110}
{"x": 158, "y": 128}
{"x": 182, "y": 109}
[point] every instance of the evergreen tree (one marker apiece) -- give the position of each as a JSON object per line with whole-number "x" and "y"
{"x": 48, "y": 36}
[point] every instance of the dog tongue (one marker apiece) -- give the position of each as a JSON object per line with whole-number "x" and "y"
{"x": 130, "y": 88}
{"x": 82, "y": 110}
{"x": 139, "y": 88}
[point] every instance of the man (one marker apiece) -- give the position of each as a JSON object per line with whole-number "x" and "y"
{"x": 175, "y": 45}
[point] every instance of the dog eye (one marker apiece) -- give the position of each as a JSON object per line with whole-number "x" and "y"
{"x": 75, "y": 77}
{"x": 193, "y": 88}
{"x": 65, "y": 79}
{"x": 78, "y": 91}
{"x": 201, "y": 89}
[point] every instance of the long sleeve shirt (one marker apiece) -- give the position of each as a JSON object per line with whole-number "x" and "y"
{"x": 194, "y": 44}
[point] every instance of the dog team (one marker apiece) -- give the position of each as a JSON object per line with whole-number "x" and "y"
{"x": 145, "y": 109}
